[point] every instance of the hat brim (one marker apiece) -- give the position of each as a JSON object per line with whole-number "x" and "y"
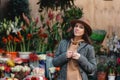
{"x": 87, "y": 27}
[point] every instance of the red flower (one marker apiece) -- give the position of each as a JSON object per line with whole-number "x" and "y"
{"x": 20, "y": 36}
{"x": 59, "y": 18}
{"x": 4, "y": 40}
{"x": 29, "y": 36}
{"x": 7, "y": 69}
{"x": 50, "y": 15}
{"x": 16, "y": 40}
{"x": 10, "y": 37}
{"x": 36, "y": 21}
{"x": 43, "y": 35}
{"x": 118, "y": 60}
{"x": 48, "y": 22}
{"x": 2, "y": 50}
{"x": 34, "y": 78}
{"x": 33, "y": 57}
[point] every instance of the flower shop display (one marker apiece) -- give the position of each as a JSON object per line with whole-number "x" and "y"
{"x": 34, "y": 60}
{"x": 111, "y": 58}
{"x": 18, "y": 36}
{"x": 35, "y": 45}
{"x": 8, "y": 33}
{"x": 22, "y": 70}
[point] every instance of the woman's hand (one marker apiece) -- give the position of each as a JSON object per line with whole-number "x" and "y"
{"x": 75, "y": 55}
{"x": 69, "y": 54}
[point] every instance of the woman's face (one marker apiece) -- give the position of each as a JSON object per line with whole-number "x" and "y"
{"x": 79, "y": 30}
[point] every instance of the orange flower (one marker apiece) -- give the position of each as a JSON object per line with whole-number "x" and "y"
{"x": 4, "y": 40}
{"x": 10, "y": 37}
{"x": 43, "y": 35}
{"x": 16, "y": 40}
{"x": 20, "y": 36}
{"x": 57, "y": 68}
{"x": 29, "y": 36}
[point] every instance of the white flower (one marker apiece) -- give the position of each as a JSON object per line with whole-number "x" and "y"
{"x": 15, "y": 30}
{"x": 42, "y": 57}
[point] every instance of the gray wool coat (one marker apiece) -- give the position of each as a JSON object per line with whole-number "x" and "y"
{"x": 87, "y": 61}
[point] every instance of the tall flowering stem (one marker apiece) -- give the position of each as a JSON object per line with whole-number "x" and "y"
{"x": 41, "y": 40}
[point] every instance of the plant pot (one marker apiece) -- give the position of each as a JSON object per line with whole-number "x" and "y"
{"x": 111, "y": 77}
{"x": 101, "y": 76}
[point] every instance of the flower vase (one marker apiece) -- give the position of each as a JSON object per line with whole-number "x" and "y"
{"x": 24, "y": 55}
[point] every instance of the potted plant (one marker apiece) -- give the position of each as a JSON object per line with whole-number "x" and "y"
{"x": 111, "y": 74}
{"x": 111, "y": 70}
{"x": 101, "y": 71}
{"x": 118, "y": 69}
{"x": 118, "y": 72}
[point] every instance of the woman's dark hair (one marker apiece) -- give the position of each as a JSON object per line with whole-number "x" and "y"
{"x": 85, "y": 36}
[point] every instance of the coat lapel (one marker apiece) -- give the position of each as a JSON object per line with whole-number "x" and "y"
{"x": 81, "y": 45}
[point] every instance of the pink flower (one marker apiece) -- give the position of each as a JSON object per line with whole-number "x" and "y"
{"x": 59, "y": 18}
{"x": 50, "y": 15}
{"x": 36, "y": 20}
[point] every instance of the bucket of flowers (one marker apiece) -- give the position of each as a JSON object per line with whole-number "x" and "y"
{"x": 27, "y": 36}
{"x": 9, "y": 37}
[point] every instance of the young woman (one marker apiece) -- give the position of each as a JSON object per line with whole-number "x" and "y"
{"x": 75, "y": 55}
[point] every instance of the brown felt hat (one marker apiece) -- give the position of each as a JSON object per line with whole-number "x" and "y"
{"x": 83, "y": 21}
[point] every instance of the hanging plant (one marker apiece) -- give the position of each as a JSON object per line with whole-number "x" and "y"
{"x": 55, "y": 4}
